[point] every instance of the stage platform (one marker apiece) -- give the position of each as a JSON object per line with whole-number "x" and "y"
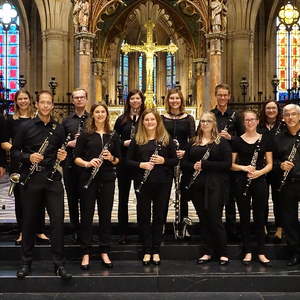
{"x": 178, "y": 276}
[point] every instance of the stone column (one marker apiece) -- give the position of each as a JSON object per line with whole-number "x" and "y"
{"x": 200, "y": 70}
{"x": 83, "y": 74}
{"x": 98, "y": 71}
{"x": 55, "y": 60}
{"x": 215, "y": 40}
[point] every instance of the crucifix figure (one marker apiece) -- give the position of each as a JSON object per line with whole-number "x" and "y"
{"x": 149, "y": 48}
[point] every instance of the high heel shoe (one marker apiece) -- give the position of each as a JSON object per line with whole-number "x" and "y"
{"x": 85, "y": 267}
{"x": 224, "y": 262}
{"x": 247, "y": 262}
{"x": 156, "y": 259}
{"x": 265, "y": 263}
{"x": 146, "y": 259}
{"x": 107, "y": 265}
{"x": 201, "y": 260}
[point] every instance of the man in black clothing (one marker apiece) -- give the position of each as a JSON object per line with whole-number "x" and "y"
{"x": 229, "y": 119}
{"x": 73, "y": 125}
{"x": 2, "y": 152}
{"x": 290, "y": 188}
{"x": 37, "y": 165}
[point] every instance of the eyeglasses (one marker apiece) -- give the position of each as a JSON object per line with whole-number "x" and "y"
{"x": 206, "y": 121}
{"x": 250, "y": 120}
{"x": 79, "y": 97}
{"x": 293, "y": 114}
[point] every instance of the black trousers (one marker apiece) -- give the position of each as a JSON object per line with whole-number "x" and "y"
{"x": 40, "y": 228}
{"x": 37, "y": 190}
{"x": 124, "y": 184}
{"x": 210, "y": 214}
{"x": 290, "y": 199}
{"x": 155, "y": 195}
{"x": 230, "y": 210}
{"x": 258, "y": 193}
{"x": 103, "y": 192}
{"x": 72, "y": 186}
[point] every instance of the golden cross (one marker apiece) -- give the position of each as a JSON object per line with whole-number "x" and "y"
{"x": 149, "y": 48}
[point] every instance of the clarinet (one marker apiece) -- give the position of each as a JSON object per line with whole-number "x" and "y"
{"x": 132, "y": 129}
{"x": 229, "y": 121}
{"x": 253, "y": 164}
{"x": 278, "y": 129}
{"x": 96, "y": 169}
{"x": 58, "y": 161}
{"x": 177, "y": 195}
{"x": 41, "y": 151}
{"x": 291, "y": 158}
{"x": 204, "y": 157}
{"x": 147, "y": 172}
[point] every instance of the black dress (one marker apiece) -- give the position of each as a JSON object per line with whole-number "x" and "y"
{"x": 208, "y": 191}
{"x": 102, "y": 189}
{"x": 258, "y": 191}
{"x": 155, "y": 190}
{"x": 182, "y": 130}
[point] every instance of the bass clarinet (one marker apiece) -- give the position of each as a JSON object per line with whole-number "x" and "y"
{"x": 177, "y": 195}
{"x": 58, "y": 161}
{"x": 147, "y": 172}
{"x": 253, "y": 164}
{"x": 95, "y": 170}
{"x": 291, "y": 158}
{"x": 41, "y": 151}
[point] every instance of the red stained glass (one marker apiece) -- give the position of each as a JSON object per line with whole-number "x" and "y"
{"x": 295, "y": 62}
{"x": 1, "y": 50}
{"x": 13, "y": 62}
{"x": 13, "y": 39}
{"x": 282, "y": 62}
{"x": 282, "y": 85}
{"x": 1, "y": 61}
{"x": 282, "y": 51}
{"x": 13, "y": 73}
{"x": 12, "y": 96}
{"x": 1, "y": 38}
{"x": 282, "y": 74}
{"x": 13, "y": 50}
{"x": 12, "y": 85}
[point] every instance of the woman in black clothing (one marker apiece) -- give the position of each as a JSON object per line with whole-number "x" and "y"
{"x": 87, "y": 155}
{"x": 207, "y": 190}
{"x": 125, "y": 126}
{"x": 270, "y": 123}
{"x": 251, "y": 183}
{"x": 152, "y": 138}
{"x": 23, "y": 111}
{"x": 181, "y": 127}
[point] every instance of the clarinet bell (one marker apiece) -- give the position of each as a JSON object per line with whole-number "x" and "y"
{"x": 14, "y": 178}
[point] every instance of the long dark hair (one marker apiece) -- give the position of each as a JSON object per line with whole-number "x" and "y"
{"x": 91, "y": 126}
{"x": 263, "y": 117}
{"x": 126, "y": 115}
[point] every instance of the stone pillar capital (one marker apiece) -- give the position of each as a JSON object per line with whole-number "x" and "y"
{"x": 200, "y": 65}
{"x": 98, "y": 65}
{"x": 85, "y": 40}
{"x": 241, "y": 35}
{"x": 215, "y": 40}
{"x": 54, "y": 34}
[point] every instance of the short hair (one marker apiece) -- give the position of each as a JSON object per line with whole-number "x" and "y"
{"x": 80, "y": 89}
{"x": 171, "y": 92}
{"x": 291, "y": 106}
{"x": 223, "y": 86}
{"x": 44, "y": 92}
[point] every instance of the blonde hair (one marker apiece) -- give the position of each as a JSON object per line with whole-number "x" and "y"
{"x": 214, "y": 131}
{"x": 161, "y": 134}
{"x": 30, "y": 112}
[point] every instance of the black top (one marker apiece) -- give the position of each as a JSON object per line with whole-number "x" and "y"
{"x": 125, "y": 130}
{"x": 235, "y": 128}
{"x": 12, "y": 127}
{"x": 29, "y": 139}
{"x": 245, "y": 151}
{"x": 275, "y": 130}
{"x": 283, "y": 144}
{"x": 142, "y": 153}
{"x": 89, "y": 146}
{"x": 180, "y": 129}
{"x": 73, "y": 125}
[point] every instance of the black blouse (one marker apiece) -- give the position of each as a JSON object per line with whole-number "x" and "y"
{"x": 12, "y": 127}
{"x": 245, "y": 151}
{"x": 180, "y": 129}
{"x": 89, "y": 146}
{"x": 142, "y": 153}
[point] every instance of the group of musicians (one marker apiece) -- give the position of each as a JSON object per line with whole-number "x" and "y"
{"x": 230, "y": 158}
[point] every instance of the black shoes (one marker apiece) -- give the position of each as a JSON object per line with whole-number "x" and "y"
{"x": 85, "y": 267}
{"x": 156, "y": 259}
{"x": 23, "y": 271}
{"x": 201, "y": 261}
{"x": 62, "y": 272}
{"x": 223, "y": 262}
{"x": 146, "y": 260}
{"x": 295, "y": 260}
{"x": 107, "y": 265}
{"x": 266, "y": 263}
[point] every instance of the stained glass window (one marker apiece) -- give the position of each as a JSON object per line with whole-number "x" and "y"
{"x": 170, "y": 71}
{"x": 9, "y": 48}
{"x": 124, "y": 71}
{"x": 288, "y": 50}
